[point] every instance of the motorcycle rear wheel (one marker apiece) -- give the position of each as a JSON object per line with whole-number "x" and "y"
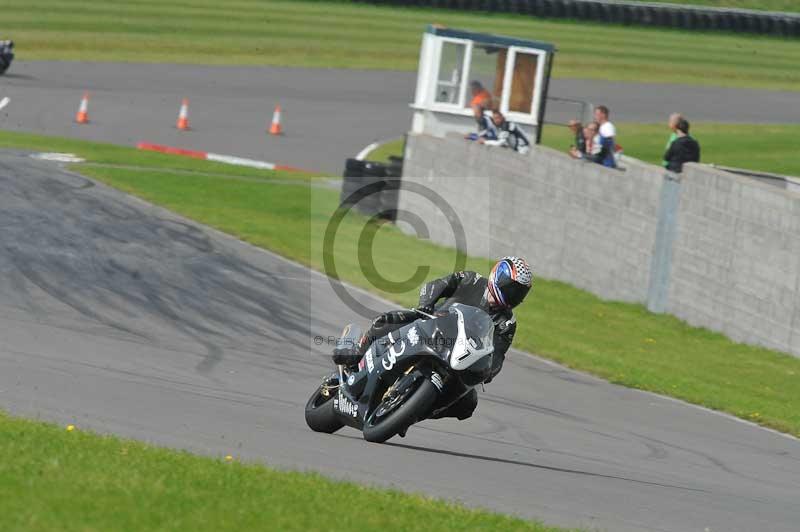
{"x": 320, "y": 415}
{"x": 416, "y": 405}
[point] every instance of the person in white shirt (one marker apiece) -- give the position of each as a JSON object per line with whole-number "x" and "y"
{"x": 607, "y": 129}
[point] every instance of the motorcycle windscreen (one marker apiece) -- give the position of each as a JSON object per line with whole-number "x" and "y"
{"x": 475, "y": 338}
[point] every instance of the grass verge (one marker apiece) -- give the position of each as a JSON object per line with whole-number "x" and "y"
{"x": 391, "y": 148}
{"x": 762, "y": 147}
{"x": 346, "y": 35}
{"x": 100, "y": 153}
{"x": 53, "y": 479}
{"x": 618, "y": 341}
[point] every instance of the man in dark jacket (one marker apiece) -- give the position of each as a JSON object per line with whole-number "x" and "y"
{"x": 506, "y": 287}
{"x": 684, "y": 149}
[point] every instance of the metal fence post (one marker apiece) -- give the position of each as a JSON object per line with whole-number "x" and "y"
{"x": 666, "y": 229}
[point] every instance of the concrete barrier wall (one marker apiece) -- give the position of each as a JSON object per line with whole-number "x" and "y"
{"x": 582, "y": 223}
{"x": 736, "y": 258}
{"x": 715, "y": 249}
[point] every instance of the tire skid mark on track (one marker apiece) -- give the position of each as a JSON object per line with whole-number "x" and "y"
{"x": 156, "y": 381}
{"x": 534, "y": 408}
{"x": 275, "y": 362}
{"x": 135, "y": 264}
{"x": 544, "y": 448}
{"x": 38, "y": 280}
{"x": 659, "y": 447}
{"x": 542, "y": 466}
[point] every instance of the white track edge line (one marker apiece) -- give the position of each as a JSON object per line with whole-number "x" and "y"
{"x": 366, "y": 151}
{"x": 239, "y": 161}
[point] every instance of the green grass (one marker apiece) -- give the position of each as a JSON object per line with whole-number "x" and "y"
{"x": 341, "y": 34}
{"x": 111, "y": 154}
{"x": 761, "y": 5}
{"x": 53, "y": 479}
{"x": 618, "y": 341}
{"x": 762, "y": 147}
{"x": 391, "y": 148}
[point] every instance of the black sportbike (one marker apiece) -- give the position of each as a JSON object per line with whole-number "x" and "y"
{"x": 413, "y": 373}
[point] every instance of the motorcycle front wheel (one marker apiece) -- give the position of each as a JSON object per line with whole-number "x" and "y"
{"x": 409, "y": 402}
{"x": 320, "y": 415}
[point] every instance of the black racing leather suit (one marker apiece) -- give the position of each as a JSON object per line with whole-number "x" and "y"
{"x": 469, "y": 288}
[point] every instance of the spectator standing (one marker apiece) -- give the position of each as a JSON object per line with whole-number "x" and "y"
{"x": 590, "y": 139}
{"x": 672, "y": 123}
{"x": 592, "y": 144}
{"x": 608, "y": 135}
{"x": 589, "y": 144}
{"x": 509, "y": 135}
{"x": 598, "y": 150}
{"x": 577, "y": 132}
{"x": 607, "y": 128}
{"x": 684, "y": 149}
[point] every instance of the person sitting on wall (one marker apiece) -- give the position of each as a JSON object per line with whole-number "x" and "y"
{"x": 486, "y": 128}
{"x": 683, "y": 149}
{"x": 509, "y": 135}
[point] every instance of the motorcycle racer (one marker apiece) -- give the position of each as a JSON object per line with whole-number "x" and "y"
{"x": 508, "y": 283}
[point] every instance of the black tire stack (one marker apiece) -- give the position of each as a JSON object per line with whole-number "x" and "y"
{"x": 686, "y": 17}
{"x": 372, "y": 188}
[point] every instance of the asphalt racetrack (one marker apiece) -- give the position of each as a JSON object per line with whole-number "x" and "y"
{"x": 328, "y": 115}
{"x": 121, "y": 317}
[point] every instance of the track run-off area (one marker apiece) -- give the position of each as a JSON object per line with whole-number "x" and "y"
{"x": 123, "y": 318}
{"x": 328, "y": 115}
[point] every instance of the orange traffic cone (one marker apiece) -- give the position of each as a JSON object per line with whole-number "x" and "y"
{"x": 82, "y": 116}
{"x": 183, "y": 116}
{"x": 275, "y": 128}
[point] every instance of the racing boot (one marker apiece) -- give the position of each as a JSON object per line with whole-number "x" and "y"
{"x": 461, "y": 409}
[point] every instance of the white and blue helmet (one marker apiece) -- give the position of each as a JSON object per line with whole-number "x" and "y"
{"x": 510, "y": 281}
